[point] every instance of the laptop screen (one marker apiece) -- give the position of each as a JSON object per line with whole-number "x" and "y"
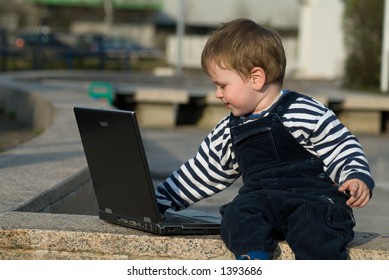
{"x": 117, "y": 163}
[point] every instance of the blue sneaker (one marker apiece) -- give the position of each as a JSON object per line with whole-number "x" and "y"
{"x": 254, "y": 255}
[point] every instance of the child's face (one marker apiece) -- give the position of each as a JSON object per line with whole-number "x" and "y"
{"x": 236, "y": 93}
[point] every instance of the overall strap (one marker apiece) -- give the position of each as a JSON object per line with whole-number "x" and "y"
{"x": 285, "y": 101}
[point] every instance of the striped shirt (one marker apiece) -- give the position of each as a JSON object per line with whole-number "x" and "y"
{"x": 214, "y": 167}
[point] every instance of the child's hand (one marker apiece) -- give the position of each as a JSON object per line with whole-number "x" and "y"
{"x": 359, "y": 192}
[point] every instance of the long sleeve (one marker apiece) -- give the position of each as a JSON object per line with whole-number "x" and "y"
{"x": 210, "y": 171}
{"x": 318, "y": 129}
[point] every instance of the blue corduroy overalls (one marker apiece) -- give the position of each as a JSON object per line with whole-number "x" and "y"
{"x": 286, "y": 194}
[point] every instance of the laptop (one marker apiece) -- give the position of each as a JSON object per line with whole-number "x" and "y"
{"x": 121, "y": 177}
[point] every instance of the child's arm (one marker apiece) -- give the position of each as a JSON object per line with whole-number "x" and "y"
{"x": 321, "y": 132}
{"x": 210, "y": 171}
{"x": 358, "y": 191}
{"x": 346, "y": 162}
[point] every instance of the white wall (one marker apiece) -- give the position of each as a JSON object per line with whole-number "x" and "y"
{"x": 318, "y": 52}
{"x": 321, "y": 51}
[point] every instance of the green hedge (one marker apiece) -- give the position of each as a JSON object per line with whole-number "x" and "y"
{"x": 363, "y": 25}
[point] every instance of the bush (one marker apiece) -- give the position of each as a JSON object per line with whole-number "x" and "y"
{"x": 363, "y": 22}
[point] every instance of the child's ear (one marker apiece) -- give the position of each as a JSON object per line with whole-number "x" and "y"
{"x": 258, "y": 77}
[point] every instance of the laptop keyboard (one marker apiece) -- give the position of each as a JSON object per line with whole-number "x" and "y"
{"x": 171, "y": 218}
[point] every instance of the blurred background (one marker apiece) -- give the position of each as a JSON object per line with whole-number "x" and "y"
{"x": 329, "y": 44}
{"x": 338, "y": 40}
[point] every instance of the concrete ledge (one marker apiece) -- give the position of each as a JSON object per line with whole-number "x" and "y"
{"x": 58, "y": 236}
{"x": 362, "y": 122}
{"x": 156, "y": 107}
{"x": 366, "y": 102}
{"x": 74, "y": 195}
{"x": 364, "y": 114}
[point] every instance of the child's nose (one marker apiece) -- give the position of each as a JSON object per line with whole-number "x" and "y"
{"x": 218, "y": 93}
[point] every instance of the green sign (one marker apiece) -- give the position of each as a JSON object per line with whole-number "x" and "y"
{"x": 124, "y": 4}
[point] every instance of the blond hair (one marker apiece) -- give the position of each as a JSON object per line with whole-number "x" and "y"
{"x": 241, "y": 45}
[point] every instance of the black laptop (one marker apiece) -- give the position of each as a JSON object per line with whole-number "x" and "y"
{"x": 121, "y": 177}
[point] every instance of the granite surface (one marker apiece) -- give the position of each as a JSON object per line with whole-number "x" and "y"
{"x": 25, "y": 235}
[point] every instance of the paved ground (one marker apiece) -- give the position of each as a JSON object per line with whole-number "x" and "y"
{"x": 167, "y": 149}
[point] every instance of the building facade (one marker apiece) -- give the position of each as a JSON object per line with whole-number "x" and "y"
{"x": 311, "y": 29}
